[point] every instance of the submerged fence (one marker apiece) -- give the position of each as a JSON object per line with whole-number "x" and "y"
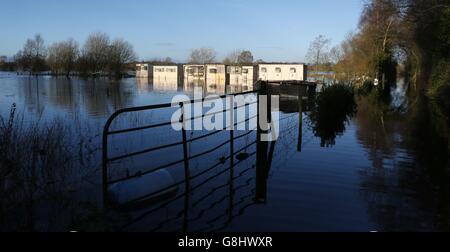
{"x": 263, "y": 154}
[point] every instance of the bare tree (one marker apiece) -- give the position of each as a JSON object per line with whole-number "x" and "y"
{"x": 98, "y": 55}
{"x": 39, "y": 49}
{"x": 62, "y": 56}
{"x": 239, "y": 57}
{"x": 53, "y": 58}
{"x": 168, "y": 60}
{"x": 232, "y": 57}
{"x": 336, "y": 54}
{"x": 121, "y": 52}
{"x": 246, "y": 57}
{"x": 32, "y": 57}
{"x": 23, "y": 63}
{"x": 317, "y": 51}
{"x": 202, "y": 55}
{"x": 95, "y": 52}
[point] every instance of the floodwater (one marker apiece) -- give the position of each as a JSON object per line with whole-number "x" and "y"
{"x": 365, "y": 179}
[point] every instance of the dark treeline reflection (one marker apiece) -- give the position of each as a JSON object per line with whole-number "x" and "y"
{"x": 408, "y": 178}
{"x": 406, "y": 142}
{"x": 334, "y": 107}
{"x": 96, "y": 97}
{"x": 101, "y": 97}
{"x": 387, "y": 169}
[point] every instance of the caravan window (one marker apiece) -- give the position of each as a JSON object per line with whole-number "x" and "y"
{"x": 264, "y": 70}
{"x": 145, "y": 68}
{"x": 213, "y": 71}
{"x": 278, "y": 70}
{"x": 293, "y": 70}
{"x": 234, "y": 70}
{"x": 170, "y": 70}
{"x": 245, "y": 71}
{"x": 159, "y": 70}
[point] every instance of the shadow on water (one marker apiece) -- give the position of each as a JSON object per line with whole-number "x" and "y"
{"x": 406, "y": 186}
{"x": 335, "y": 106}
{"x": 186, "y": 194}
{"x": 88, "y": 97}
{"x": 387, "y": 170}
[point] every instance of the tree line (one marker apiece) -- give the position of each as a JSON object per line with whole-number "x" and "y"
{"x": 408, "y": 37}
{"x": 100, "y": 55}
{"x": 206, "y": 55}
{"x": 6, "y": 65}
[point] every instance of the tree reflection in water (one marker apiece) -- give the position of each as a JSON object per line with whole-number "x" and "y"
{"x": 406, "y": 185}
{"x": 334, "y": 107}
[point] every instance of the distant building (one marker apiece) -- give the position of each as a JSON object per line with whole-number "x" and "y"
{"x": 282, "y": 72}
{"x": 221, "y": 74}
{"x": 3, "y": 59}
{"x": 144, "y": 70}
{"x": 241, "y": 75}
{"x": 166, "y": 77}
{"x": 215, "y": 74}
{"x": 166, "y": 73}
{"x": 194, "y": 73}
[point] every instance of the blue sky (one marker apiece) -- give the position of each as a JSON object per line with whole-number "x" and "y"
{"x": 274, "y": 30}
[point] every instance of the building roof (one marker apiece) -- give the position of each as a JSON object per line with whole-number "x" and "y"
{"x": 281, "y": 63}
{"x": 166, "y": 65}
{"x": 234, "y": 64}
{"x": 158, "y": 63}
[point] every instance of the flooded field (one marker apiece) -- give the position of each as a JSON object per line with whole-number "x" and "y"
{"x": 352, "y": 175}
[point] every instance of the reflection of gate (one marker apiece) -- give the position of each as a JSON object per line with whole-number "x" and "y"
{"x": 232, "y": 158}
{"x": 106, "y": 133}
{"x": 262, "y": 151}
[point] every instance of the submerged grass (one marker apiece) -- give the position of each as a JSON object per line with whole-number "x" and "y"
{"x": 40, "y": 172}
